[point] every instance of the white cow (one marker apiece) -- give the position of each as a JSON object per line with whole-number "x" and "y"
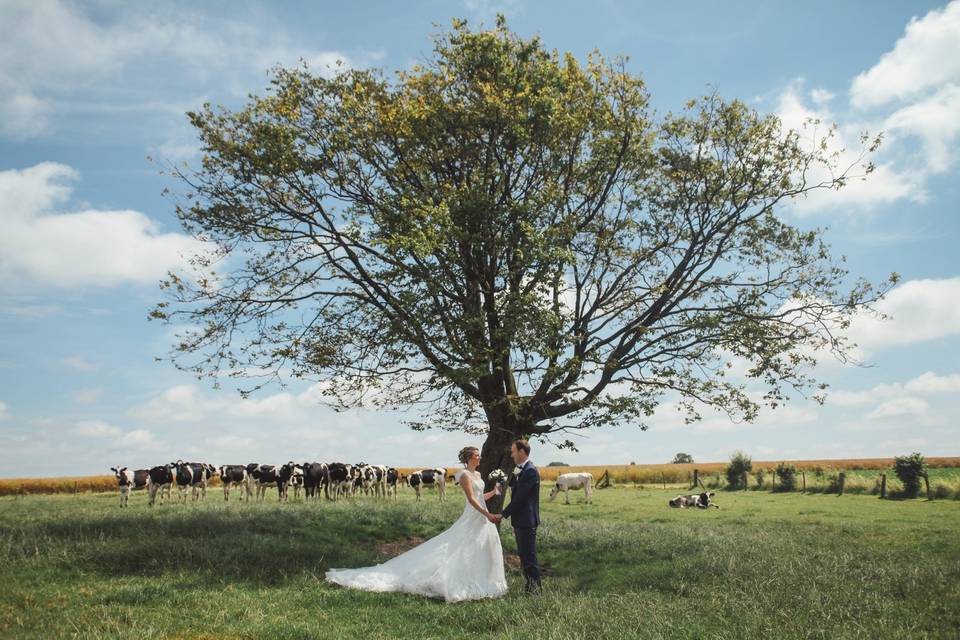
{"x": 567, "y": 481}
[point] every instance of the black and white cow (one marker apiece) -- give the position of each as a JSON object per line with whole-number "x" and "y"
{"x": 341, "y": 477}
{"x": 429, "y": 478}
{"x": 202, "y": 475}
{"x": 393, "y": 479}
{"x": 233, "y": 475}
{"x": 364, "y": 478}
{"x": 182, "y": 478}
{"x": 315, "y": 476}
{"x": 567, "y": 481}
{"x": 263, "y": 476}
{"x": 129, "y": 480}
{"x": 701, "y": 501}
{"x": 289, "y": 475}
{"x": 161, "y": 479}
{"x": 379, "y": 480}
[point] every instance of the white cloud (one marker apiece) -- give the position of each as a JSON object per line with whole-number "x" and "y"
{"x": 901, "y": 408}
{"x": 4, "y": 414}
{"x": 137, "y": 439}
{"x": 96, "y": 429}
{"x": 919, "y": 310}
{"x": 44, "y": 246}
{"x": 88, "y": 396}
{"x": 78, "y": 363}
{"x": 936, "y": 121}
{"x": 55, "y": 51}
{"x": 925, "y": 57}
{"x": 886, "y": 184}
{"x": 926, "y": 384}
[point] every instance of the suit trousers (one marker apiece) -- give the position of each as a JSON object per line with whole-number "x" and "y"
{"x": 527, "y": 550}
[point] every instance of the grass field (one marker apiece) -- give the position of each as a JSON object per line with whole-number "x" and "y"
{"x": 765, "y": 565}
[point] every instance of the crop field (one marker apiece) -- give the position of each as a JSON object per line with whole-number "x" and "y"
{"x": 764, "y": 565}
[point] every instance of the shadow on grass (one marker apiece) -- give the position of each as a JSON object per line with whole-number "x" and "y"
{"x": 259, "y": 546}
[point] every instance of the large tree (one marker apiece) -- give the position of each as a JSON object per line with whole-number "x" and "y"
{"x": 509, "y": 238}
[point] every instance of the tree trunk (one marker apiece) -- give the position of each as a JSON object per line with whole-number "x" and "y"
{"x": 495, "y": 453}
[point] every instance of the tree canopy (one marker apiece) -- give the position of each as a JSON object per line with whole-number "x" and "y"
{"x": 509, "y": 238}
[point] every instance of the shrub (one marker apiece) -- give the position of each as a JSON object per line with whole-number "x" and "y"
{"x": 786, "y": 477}
{"x": 740, "y": 463}
{"x": 909, "y": 469}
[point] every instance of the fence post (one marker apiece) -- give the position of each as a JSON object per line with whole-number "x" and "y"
{"x": 803, "y": 476}
{"x": 926, "y": 479}
{"x": 842, "y": 477}
{"x": 883, "y": 486}
{"x": 696, "y": 479}
{"x": 744, "y": 480}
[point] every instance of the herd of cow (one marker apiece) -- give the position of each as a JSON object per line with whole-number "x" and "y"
{"x": 335, "y": 479}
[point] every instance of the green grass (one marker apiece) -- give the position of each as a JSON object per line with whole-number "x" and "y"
{"x": 765, "y": 565}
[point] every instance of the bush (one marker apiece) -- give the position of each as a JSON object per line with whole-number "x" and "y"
{"x": 740, "y": 463}
{"x": 786, "y": 477}
{"x": 558, "y": 464}
{"x": 909, "y": 469}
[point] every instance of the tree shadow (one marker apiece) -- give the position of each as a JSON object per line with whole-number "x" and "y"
{"x": 258, "y": 546}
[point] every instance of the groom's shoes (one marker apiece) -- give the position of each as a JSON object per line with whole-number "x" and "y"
{"x": 533, "y": 589}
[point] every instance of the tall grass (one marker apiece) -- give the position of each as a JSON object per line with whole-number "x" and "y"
{"x": 626, "y": 566}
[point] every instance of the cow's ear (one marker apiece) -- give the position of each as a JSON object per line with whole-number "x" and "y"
{"x": 114, "y": 469}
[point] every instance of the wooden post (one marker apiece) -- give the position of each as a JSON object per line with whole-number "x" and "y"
{"x": 803, "y": 477}
{"x": 883, "y": 486}
{"x": 840, "y": 481}
{"x": 745, "y": 481}
{"x": 696, "y": 479}
{"x": 926, "y": 479}
{"x": 773, "y": 482}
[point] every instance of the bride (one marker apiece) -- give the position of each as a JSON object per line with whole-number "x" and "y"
{"x": 465, "y": 562}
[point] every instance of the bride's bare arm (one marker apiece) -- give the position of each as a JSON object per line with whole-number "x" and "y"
{"x": 467, "y": 486}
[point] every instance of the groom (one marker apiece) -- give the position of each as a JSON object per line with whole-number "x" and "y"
{"x": 524, "y": 511}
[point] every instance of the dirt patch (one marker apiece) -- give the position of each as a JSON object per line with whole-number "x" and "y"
{"x": 396, "y": 547}
{"x": 513, "y": 563}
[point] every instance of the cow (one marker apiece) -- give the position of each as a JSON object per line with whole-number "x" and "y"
{"x": 296, "y": 481}
{"x": 232, "y": 475}
{"x": 701, "y": 501}
{"x": 315, "y": 475}
{"x": 262, "y": 476}
{"x": 567, "y": 481}
{"x": 161, "y": 479}
{"x": 183, "y": 478}
{"x": 429, "y": 478}
{"x": 379, "y": 480}
{"x": 290, "y": 474}
{"x": 393, "y": 479}
{"x": 128, "y": 480}
{"x": 202, "y": 474}
{"x": 340, "y": 479}
{"x": 364, "y": 478}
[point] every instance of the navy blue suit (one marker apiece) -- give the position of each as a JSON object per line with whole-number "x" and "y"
{"x": 524, "y": 514}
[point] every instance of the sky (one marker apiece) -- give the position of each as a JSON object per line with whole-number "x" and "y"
{"x": 91, "y": 92}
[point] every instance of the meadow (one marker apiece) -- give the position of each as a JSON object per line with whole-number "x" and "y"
{"x": 764, "y": 565}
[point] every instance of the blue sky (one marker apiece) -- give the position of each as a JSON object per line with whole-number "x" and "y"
{"x": 89, "y": 90}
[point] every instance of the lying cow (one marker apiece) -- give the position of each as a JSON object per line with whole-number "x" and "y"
{"x": 567, "y": 481}
{"x": 128, "y": 480}
{"x": 701, "y": 501}
{"x": 428, "y": 478}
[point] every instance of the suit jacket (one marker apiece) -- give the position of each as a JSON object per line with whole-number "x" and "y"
{"x": 524, "y": 507}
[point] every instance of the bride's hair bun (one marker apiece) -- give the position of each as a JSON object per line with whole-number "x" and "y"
{"x": 466, "y": 453}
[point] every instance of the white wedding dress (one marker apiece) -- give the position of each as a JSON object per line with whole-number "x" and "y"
{"x": 465, "y": 562}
